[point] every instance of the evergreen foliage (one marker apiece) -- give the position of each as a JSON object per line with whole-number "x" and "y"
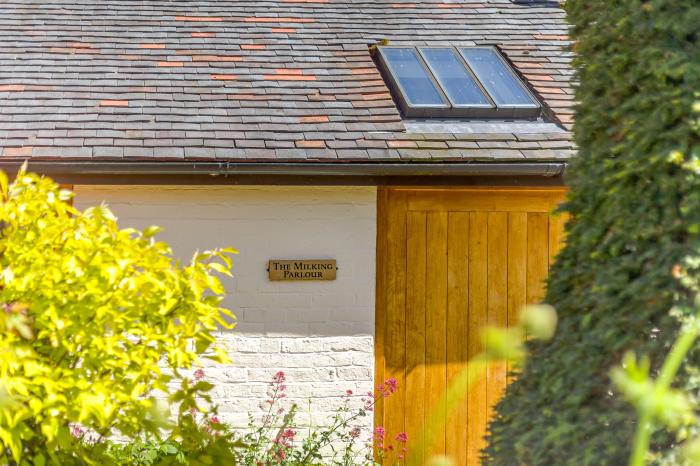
{"x": 635, "y": 214}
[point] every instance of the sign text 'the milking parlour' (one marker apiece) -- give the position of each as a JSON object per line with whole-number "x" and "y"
{"x": 314, "y": 269}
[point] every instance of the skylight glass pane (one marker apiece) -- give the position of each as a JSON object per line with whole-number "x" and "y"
{"x": 505, "y": 89}
{"x": 413, "y": 78}
{"x": 456, "y": 81}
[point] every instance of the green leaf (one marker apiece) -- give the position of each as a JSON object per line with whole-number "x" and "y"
{"x": 151, "y": 231}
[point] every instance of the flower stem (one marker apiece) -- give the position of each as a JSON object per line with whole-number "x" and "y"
{"x": 672, "y": 364}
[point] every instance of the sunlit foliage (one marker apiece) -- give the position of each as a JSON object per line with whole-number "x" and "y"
{"x": 99, "y": 328}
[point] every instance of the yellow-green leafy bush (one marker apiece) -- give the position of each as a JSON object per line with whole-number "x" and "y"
{"x": 97, "y": 325}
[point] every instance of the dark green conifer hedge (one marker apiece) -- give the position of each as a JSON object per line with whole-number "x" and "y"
{"x": 635, "y": 209}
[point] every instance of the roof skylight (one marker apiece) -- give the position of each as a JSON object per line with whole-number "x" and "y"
{"x": 472, "y": 82}
{"x": 456, "y": 80}
{"x": 413, "y": 78}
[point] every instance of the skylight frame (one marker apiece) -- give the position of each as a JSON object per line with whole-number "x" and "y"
{"x": 515, "y": 108}
{"x": 451, "y": 110}
{"x": 491, "y": 103}
{"x": 409, "y": 108}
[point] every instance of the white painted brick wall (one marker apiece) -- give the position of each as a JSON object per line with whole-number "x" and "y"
{"x": 319, "y": 333}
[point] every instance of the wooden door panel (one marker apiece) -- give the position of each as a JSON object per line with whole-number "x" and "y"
{"x": 458, "y": 334}
{"x": 477, "y": 315}
{"x": 517, "y": 265}
{"x": 450, "y": 262}
{"x": 395, "y": 316}
{"x": 497, "y": 292}
{"x": 537, "y": 255}
{"x": 484, "y": 200}
{"x": 416, "y": 326}
{"x": 436, "y": 324}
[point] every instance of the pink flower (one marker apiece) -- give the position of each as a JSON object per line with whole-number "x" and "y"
{"x": 388, "y": 387}
{"x": 198, "y": 374}
{"x": 402, "y": 437}
{"x": 214, "y": 420}
{"x": 379, "y": 434}
{"x": 348, "y": 392}
{"x": 285, "y": 438}
{"x": 355, "y": 432}
{"x": 279, "y": 378}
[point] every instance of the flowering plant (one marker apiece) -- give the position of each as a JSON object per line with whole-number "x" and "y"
{"x": 276, "y": 438}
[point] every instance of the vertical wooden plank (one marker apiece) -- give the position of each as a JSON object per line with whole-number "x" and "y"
{"x": 537, "y": 255}
{"x": 556, "y": 235}
{"x": 517, "y": 266}
{"x": 478, "y": 301}
{"x": 415, "y": 334}
{"x": 497, "y": 299}
{"x": 436, "y": 325}
{"x": 457, "y": 329}
{"x": 380, "y": 296}
{"x": 395, "y": 339}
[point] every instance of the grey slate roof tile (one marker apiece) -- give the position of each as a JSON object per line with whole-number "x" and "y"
{"x": 266, "y": 80}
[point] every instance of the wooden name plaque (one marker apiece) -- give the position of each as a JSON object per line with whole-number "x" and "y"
{"x": 302, "y": 269}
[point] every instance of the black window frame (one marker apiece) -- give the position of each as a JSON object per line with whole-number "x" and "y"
{"x": 452, "y": 110}
{"x": 417, "y": 110}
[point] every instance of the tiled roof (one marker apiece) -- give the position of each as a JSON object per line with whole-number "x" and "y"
{"x": 256, "y": 80}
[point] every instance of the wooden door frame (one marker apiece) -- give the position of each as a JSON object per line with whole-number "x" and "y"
{"x": 391, "y": 206}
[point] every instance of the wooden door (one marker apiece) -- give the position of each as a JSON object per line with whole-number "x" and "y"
{"x": 450, "y": 262}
